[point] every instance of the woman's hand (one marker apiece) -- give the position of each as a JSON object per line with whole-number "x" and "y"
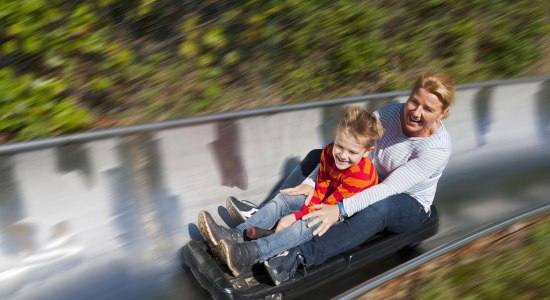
{"x": 302, "y": 189}
{"x": 325, "y": 214}
{"x": 285, "y": 222}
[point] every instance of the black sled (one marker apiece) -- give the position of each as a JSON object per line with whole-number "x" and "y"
{"x": 216, "y": 278}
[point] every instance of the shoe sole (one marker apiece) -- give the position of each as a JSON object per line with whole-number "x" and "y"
{"x": 205, "y": 230}
{"x": 233, "y": 212}
{"x": 224, "y": 249}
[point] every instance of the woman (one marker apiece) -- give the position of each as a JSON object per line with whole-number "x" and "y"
{"x": 409, "y": 158}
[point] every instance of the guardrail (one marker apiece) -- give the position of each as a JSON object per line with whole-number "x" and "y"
{"x": 156, "y": 126}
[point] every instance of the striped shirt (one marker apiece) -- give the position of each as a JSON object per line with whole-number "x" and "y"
{"x": 333, "y": 185}
{"x": 411, "y": 165}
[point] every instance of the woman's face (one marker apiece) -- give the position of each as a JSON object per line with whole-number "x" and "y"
{"x": 422, "y": 113}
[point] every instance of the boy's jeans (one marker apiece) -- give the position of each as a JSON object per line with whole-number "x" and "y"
{"x": 266, "y": 218}
{"x": 399, "y": 213}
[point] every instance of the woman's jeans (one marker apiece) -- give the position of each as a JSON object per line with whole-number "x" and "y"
{"x": 266, "y": 218}
{"x": 398, "y": 213}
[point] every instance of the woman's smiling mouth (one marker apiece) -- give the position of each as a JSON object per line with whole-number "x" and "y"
{"x": 414, "y": 121}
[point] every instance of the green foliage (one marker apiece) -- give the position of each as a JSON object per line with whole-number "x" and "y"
{"x": 145, "y": 60}
{"x": 512, "y": 274}
{"x": 33, "y": 107}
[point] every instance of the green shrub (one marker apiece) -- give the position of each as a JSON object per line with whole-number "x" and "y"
{"x": 32, "y": 107}
{"x": 142, "y": 60}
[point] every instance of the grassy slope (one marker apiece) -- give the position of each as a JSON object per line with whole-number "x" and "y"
{"x": 513, "y": 263}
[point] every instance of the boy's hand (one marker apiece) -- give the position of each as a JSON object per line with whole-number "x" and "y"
{"x": 285, "y": 222}
{"x": 302, "y": 189}
{"x": 327, "y": 215}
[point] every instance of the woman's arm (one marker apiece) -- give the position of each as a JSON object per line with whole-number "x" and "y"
{"x": 404, "y": 177}
{"x": 312, "y": 178}
{"x": 328, "y": 213}
{"x": 400, "y": 180}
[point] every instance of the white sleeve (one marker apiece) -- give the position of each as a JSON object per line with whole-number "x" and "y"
{"x": 312, "y": 178}
{"x": 400, "y": 180}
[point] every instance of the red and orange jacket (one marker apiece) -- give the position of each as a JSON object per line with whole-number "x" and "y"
{"x": 334, "y": 185}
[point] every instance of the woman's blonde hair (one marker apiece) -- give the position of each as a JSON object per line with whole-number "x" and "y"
{"x": 362, "y": 125}
{"x": 439, "y": 84}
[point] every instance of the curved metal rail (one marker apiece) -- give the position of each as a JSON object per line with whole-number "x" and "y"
{"x": 103, "y": 214}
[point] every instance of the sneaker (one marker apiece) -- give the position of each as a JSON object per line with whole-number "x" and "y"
{"x": 240, "y": 210}
{"x": 239, "y": 257}
{"x": 254, "y": 233}
{"x": 283, "y": 266}
{"x": 213, "y": 233}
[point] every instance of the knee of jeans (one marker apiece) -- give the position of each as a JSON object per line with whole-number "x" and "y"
{"x": 308, "y": 221}
{"x": 370, "y": 215}
{"x": 281, "y": 200}
{"x": 381, "y": 209}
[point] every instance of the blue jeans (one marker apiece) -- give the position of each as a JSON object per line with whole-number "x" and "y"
{"x": 398, "y": 214}
{"x": 267, "y": 217}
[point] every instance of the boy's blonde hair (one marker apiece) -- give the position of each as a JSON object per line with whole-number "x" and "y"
{"x": 363, "y": 126}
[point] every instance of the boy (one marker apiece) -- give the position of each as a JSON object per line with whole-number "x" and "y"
{"x": 345, "y": 170}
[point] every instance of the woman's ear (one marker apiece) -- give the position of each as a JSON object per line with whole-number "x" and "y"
{"x": 444, "y": 114}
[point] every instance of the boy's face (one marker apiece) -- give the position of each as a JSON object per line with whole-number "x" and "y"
{"x": 347, "y": 151}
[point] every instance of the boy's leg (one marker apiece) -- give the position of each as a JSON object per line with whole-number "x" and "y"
{"x": 273, "y": 210}
{"x": 398, "y": 213}
{"x": 240, "y": 257}
{"x": 240, "y": 210}
{"x": 279, "y": 242}
{"x": 213, "y": 233}
{"x": 254, "y": 233}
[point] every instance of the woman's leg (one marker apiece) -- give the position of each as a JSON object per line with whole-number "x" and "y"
{"x": 274, "y": 210}
{"x": 302, "y": 171}
{"x": 398, "y": 213}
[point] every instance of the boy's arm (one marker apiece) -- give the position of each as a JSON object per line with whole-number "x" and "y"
{"x": 354, "y": 181}
{"x": 305, "y": 208}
